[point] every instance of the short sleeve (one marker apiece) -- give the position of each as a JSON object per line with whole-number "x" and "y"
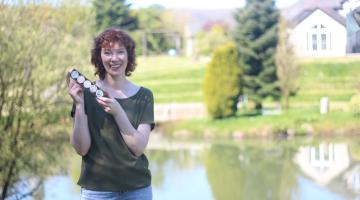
{"x": 148, "y": 114}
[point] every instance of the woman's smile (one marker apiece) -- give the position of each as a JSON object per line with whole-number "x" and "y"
{"x": 114, "y": 59}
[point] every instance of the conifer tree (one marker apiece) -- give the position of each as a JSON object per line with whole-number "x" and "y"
{"x": 111, "y": 13}
{"x": 256, "y": 40}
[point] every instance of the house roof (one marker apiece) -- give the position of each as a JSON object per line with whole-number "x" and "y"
{"x": 306, "y": 13}
{"x": 299, "y": 11}
{"x": 301, "y": 5}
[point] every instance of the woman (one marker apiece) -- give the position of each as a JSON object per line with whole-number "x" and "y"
{"x": 111, "y": 133}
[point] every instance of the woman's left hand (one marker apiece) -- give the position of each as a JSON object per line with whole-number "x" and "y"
{"x": 109, "y": 104}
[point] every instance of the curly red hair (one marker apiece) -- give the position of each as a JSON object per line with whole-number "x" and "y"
{"x": 107, "y": 39}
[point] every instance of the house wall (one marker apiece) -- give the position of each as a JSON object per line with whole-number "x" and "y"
{"x": 319, "y": 35}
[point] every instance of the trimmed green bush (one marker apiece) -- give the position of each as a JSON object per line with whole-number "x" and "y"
{"x": 355, "y": 105}
{"x": 222, "y": 82}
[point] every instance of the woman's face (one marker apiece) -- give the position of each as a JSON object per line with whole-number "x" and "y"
{"x": 115, "y": 59}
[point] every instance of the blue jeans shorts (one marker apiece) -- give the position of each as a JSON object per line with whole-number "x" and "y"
{"x": 138, "y": 194}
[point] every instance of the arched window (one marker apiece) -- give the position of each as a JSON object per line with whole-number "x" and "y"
{"x": 320, "y": 38}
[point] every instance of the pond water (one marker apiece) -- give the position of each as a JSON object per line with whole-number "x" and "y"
{"x": 302, "y": 168}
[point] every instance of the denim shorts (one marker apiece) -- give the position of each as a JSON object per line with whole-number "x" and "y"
{"x": 138, "y": 194}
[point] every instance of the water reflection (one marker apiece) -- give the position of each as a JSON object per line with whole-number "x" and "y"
{"x": 280, "y": 170}
{"x": 324, "y": 162}
{"x": 275, "y": 170}
{"x": 178, "y": 174}
{"x": 352, "y": 179}
{"x": 250, "y": 172}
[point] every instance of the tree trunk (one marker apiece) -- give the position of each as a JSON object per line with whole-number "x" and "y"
{"x": 286, "y": 103}
{"x": 8, "y": 180}
{"x": 258, "y": 106}
{"x": 286, "y": 95}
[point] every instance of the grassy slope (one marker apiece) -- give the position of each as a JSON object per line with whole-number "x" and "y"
{"x": 335, "y": 78}
{"x": 179, "y": 79}
{"x": 172, "y": 79}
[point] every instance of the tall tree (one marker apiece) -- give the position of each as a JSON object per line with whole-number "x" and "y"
{"x": 114, "y": 13}
{"x": 33, "y": 115}
{"x": 287, "y": 67}
{"x": 256, "y": 40}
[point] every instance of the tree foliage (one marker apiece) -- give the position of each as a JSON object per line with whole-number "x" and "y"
{"x": 287, "y": 67}
{"x": 207, "y": 41}
{"x": 37, "y": 42}
{"x": 243, "y": 173}
{"x": 114, "y": 13}
{"x": 159, "y": 36}
{"x": 354, "y": 105}
{"x": 222, "y": 82}
{"x": 256, "y": 39}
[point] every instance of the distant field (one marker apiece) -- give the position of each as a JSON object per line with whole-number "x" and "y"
{"x": 179, "y": 79}
{"x": 172, "y": 79}
{"x": 333, "y": 78}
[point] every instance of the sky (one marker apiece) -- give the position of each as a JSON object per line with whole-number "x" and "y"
{"x": 201, "y": 4}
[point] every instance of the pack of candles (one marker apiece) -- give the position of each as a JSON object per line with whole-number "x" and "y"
{"x": 86, "y": 83}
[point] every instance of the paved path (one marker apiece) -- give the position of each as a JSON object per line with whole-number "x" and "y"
{"x": 179, "y": 111}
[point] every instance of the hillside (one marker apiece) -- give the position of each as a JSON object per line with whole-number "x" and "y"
{"x": 179, "y": 79}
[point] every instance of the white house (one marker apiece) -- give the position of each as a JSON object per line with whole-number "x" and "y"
{"x": 320, "y": 27}
{"x": 319, "y": 34}
{"x": 317, "y": 27}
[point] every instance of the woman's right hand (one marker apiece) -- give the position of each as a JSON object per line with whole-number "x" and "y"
{"x": 76, "y": 92}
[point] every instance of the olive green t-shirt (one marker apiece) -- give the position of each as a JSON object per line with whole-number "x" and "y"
{"x": 109, "y": 164}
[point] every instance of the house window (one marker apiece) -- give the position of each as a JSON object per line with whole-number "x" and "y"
{"x": 318, "y": 38}
{"x": 307, "y": 41}
{"x": 314, "y": 41}
{"x": 323, "y": 41}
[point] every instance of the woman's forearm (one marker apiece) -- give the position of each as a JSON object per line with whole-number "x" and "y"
{"x": 136, "y": 140}
{"x": 80, "y": 138}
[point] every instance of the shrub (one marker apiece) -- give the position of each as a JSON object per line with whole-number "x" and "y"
{"x": 222, "y": 82}
{"x": 355, "y": 105}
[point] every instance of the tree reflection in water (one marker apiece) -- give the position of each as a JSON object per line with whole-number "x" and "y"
{"x": 180, "y": 159}
{"x": 257, "y": 170}
{"x": 250, "y": 172}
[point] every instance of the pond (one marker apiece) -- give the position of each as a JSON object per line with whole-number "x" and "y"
{"x": 258, "y": 169}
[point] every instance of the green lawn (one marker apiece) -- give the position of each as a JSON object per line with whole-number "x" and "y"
{"x": 179, "y": 79}
{"x": 172, "y": 79}
{"x": 301, "y": 121}
{"x": 334, "y": 78}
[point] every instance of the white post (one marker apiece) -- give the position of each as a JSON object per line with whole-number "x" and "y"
{"x": 324, "y": 105}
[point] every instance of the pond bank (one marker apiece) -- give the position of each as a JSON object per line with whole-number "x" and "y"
{"x": 242, "y": 127}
